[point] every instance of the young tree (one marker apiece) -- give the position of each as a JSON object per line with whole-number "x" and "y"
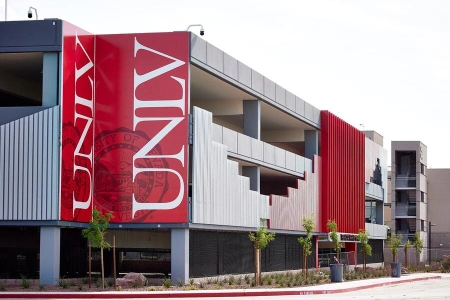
{"x": 418, "y": 245}
{"x": 96, "y": 232}
{"x": 260, "y": 239}
{"x": 406, "y": 246}
{"x": 366, "y": 249}
{"x": 394, "y": 242}
{"x": 306, "y": 242}
{"x": 332, "y": 226}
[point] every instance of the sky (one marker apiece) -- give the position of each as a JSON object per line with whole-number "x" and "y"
{"x": 383, "y": 64}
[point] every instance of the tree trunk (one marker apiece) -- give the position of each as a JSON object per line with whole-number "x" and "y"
{"x": 256, "y": 255}
{"x": 103, "y": 268}
{"x": 90, "y": 264}
{"x": 114, "y": 259}
{"x": 394, "y": 258}
{"x": 406, "y": 257}
{"x": 364, "y": 262}
{"x": 305, "y": 262}
{"x": 417, "y": 257}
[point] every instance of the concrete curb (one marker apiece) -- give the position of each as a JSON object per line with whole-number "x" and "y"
{"x": 202, "y": 294}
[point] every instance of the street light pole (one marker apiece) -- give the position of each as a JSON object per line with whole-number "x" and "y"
{"x": 429, "y": 242}
{"x": 6, "y": 10}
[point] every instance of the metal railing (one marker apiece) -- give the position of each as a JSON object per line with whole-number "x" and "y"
{"x": 405, "y": 210}
{"x": 405, "y": 182}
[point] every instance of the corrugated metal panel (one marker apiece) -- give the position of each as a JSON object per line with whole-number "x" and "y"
{"x": 29, "y": 167}
{"x": 287, "y": 212}
{"x": 220, "y": 195}
{"x": 343, "y": 190}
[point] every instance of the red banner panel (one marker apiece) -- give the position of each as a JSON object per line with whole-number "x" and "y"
{"x": 141, "y": 126}
{"x": 77, "y": 124}
{"x": 343, "y": 179}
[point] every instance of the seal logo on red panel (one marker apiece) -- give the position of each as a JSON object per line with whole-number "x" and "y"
{"x": 113, "y": 173}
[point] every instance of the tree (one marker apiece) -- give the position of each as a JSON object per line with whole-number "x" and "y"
{"x": 96, "y": 232}
{"x": 366, "y": 249}
{"x": 394, "y": 241}
{"x": 260, "y": 239}
{"x": 306, "y": 242}
{"x": 406, "y": 246}
{"x": 418, "y": 245}
{"x": 332, "y": 226}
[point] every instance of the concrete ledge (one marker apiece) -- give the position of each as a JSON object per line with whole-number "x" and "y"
{"x": 313, "y": 290}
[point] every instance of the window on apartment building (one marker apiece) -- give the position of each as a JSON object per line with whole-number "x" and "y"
{"x": 422, "y": 169}
{"x": 422, "y": 225}
{"x": 422, "y": 197}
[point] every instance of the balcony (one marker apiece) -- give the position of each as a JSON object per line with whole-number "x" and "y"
{"x": 405, "y": 182}
{"x": 405, "y": 210}
{"x": 253, "y": 150}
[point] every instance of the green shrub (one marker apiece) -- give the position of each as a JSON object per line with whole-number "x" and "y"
{"x": 167, "y": 283}
{"x": 231, "y": 280}
{"x": 41, "y": 287}
{"x": 109, "y": 281}
{"x": 202, "y": 285}
{"x": 63, "y": 283}
{"x": 269, "y": 280}
{"x": 239, "y": 280}
{"x": 80, "y": 287}
{"x": 191, "y": 281}
{"x": 98, "y": 282}
{"x": 118, "y": 288}
{"x": 25, "y": 282}
{"x": 2, "y": 287}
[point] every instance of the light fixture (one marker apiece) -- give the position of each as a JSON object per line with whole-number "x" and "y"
{"x": 30, "y": 12}
{"x": 202, "y": 31}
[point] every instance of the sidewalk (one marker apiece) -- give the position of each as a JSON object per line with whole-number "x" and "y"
{"x": 330, "y": 288}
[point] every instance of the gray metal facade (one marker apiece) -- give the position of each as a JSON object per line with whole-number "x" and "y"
{"x": 30, "y": 168}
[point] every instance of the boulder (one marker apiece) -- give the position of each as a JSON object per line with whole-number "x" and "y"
{"x": 123, "y": 282}
{"x": 137, "y": 278}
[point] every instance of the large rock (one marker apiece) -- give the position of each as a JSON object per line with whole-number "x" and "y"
{"x": 123, "y": 282}
{"x": 137, "y": 279}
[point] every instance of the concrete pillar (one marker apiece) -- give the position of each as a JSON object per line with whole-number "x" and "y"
{"x": 254, "y": 173}
{"x": 311, "y": 143}
{"x": 179, "y": 256}
{"x": 50, "y": 79}
{"x": 49, "y": 256}
{"x": 252, "y": 118}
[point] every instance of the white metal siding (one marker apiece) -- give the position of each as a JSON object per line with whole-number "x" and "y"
{"x": 29, "y": 167}
{"x": 287, "y": 212}
{"x": 220, "y": 195}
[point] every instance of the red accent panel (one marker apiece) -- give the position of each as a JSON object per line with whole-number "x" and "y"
{"x": 141, "y": 128}
{"x": 343, "y": 189}
{"x": 77, "y": 124}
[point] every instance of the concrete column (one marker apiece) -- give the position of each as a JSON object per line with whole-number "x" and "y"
{"x": 50, "y": 79}
{"x": 49, "y": 255}
{"x": 311, "y": 143}
{"x": 252, "y": 118}
{"x": 254, "y": 173}
{"x": 380, "y": 212}
{"x": 179, "y": 256}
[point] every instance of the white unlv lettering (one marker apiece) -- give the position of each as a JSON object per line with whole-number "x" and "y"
{"x": 89, "y": 104}
{"x": 173, "y": 122}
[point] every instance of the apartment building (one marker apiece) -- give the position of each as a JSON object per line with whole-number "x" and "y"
{"x": 419, "y": 200}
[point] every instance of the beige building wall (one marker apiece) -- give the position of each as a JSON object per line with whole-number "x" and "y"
{"x": 439, "y": 211}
